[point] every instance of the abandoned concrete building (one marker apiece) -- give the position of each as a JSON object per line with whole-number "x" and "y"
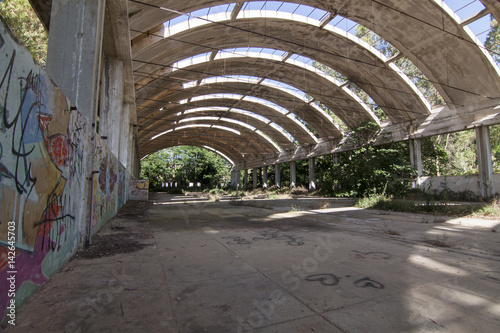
{"x": 260, "y": 83}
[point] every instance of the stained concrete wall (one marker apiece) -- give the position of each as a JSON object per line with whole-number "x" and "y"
{"x": 43, "y": 148}
{"x": 457, "y": 184}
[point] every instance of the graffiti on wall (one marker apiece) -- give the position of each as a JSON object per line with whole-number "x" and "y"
{"x": 43, "y": 177}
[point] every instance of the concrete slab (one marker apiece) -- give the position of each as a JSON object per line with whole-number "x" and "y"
{"x": 217, "y": 267}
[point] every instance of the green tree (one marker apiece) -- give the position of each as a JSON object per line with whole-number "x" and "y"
{"x": 27, "y": 28}
{"x": 492, "y": 42}
{"x": 186, "y": 165}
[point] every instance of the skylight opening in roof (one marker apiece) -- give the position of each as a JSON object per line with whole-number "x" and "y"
{"x": 186, "y": 120}
{"x": 163, "y": 133}
{"x": 251, "y": 114}
{"x": 330, "y": 71}
{"x": 344, "y": 24}
{"x": 465, "y": 8}
{"x": 285, "y": 133}
{"x": 216, "y": 96}
{"x": 480, "y": 28}
{"x": 237, "y": 122}
{"x": 267, "y": 103}
{"x": 232, "y": 78}
{"x": 199, "y": 58}
{"x": 343, "y": 127}
{"x": 365, "y": 97}
{"x": 287, "y": 87}
{"x": 375, "y": 40}
{"x": 224, "y": 128}
{"x": 205, "y": 109}
{"x": 287, "y": 7}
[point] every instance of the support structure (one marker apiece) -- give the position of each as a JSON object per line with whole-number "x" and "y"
{"x": 235, "y": 178}
{"x": 312, "y": 175}
{"x": 254, "y": 177}
{"x": 485, "y": 164}
{"x": 293, "y": 174}
{"x": 277, "y": 175}
{"x": 264, "y": 177}
{"x": 416, "y": 159}
{"x": 111, "y": 104}
{"x": 245, "y": 179}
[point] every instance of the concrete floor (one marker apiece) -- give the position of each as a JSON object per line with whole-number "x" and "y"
{"x": 297, "y": 265}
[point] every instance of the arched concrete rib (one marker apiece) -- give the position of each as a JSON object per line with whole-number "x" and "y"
{"x": 226, "y": 142}
{"x": 249, "y": 132}
{"x": 353, "y": 58}
{"x": 338, "y": 99}
{"x": 279, "y": 137}
{"x": 423, "y": 30}
{"x": 320, "y": 121}
{"x": 149, "y": 121}
{"x": 262, "y": 144}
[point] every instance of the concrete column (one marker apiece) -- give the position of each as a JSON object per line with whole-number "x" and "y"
{"x": 312, "y": 175}
{"x": 111, "y": 104}
{"x": 245, "y": 179}
{"x": 127, "y": 146}
{"x": 264, "y": 177}
{"x": 485, "y": 164}
{"x": 235, "y": 178}
{"x": 336, "y": 158}
{"x": 277, "y": 175}
{"x": 74, "y": 51}
{"x": 416, "y": 159}
{"x": 254, "y": 177}
{"x": 293, "y": 174}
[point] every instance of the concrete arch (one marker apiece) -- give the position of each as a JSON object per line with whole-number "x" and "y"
{"x": 355, "y": 59}
{"x": 228, "y": 143}
{"x": 414, "y": 27}
{"x": 292, "y": 126}
{"x": 321, "y": 122}
{"x": 338, "y": 99}
{"x": 277, "y": 136}
{"x": 241, "y": 133}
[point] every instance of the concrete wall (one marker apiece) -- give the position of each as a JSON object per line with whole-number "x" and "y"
{"x": 44, "y": 147}
{"x": 457, "y": 184}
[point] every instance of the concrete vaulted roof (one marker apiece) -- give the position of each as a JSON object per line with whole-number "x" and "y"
{"x": 245, "y": 83}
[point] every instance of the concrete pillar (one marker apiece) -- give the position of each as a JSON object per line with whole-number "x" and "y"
{"x": 74, "y": 51}
{"x": 293, "y": 174}
{"x": 235, "y": 178}
{"x": 336, "y": 158}
{"x": 111, "y": 104}
{"x": 245, "y": 179}
{"x": 264, "y": 177}
{"x": 485, "y": 164}
{"x": 127, "y": 146}
{"x": 312, "y": 175}
{"x": 277, "y": 175}
{"x": 416, "y": 159}
{"x": 74, "y": 64}
{"x": 254, "y": 177}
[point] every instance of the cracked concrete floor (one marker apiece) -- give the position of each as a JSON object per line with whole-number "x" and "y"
{"x": 296, "y": 265}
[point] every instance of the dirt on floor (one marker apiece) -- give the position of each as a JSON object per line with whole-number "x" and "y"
{"x": 133, "y": 209}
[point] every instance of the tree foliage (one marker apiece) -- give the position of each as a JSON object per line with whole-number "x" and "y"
{"x": 27, "y": 28}
{"x": 184, "y": 165}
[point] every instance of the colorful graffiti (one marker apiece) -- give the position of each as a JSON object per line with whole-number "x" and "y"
{"x": 43, "y": 149}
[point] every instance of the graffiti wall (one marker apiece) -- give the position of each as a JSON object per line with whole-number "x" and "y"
{"x": 43, "y": 148}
